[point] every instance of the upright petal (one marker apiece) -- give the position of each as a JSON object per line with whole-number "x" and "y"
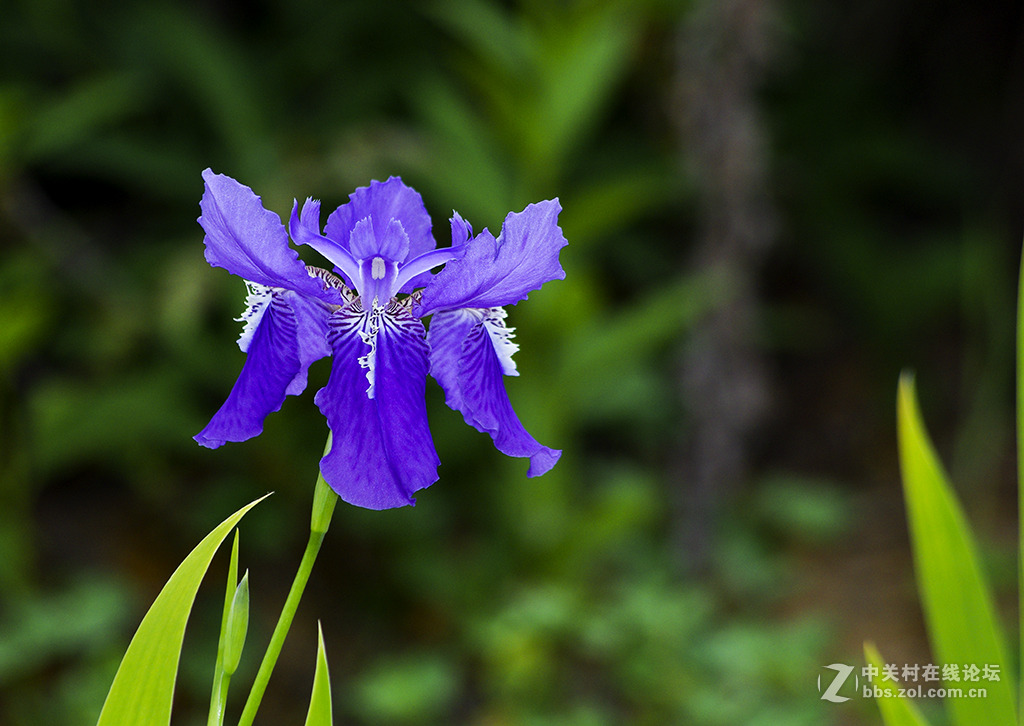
{"x": 502, "y": 271}
{"x": 416, "y": 272}
{"x": 305, "y": 230}
{"x": 248, "y": 240}
{"x": 462, "y": 231}
{"x": 384, "y": 201}
{"x": 469, "y": 351}
{"x": 382, "y": 451}
{"x": 372, "y": 239}
{"x": 275, "y": 365}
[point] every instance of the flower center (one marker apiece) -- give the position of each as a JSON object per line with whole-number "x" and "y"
{"x": 377, "y": 269}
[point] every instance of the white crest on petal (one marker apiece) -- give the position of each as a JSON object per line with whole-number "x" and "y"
{"x": 256, "y": 303}
{"x": 369, "y": 335}
{"x": 493, "y": 320}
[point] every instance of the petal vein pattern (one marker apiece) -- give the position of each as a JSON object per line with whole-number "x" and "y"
{"x": 503, "y": 271}
{"x": 271, "y": 364}
{"x": 248, "y": 240}
{"x": 382, "y": 451}
{"x": 468, "y": 362}
{"x": 493, "y": 321}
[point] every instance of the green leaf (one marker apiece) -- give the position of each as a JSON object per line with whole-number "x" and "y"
{"x": 229, "y": 592}
{"x": 961, "y": 620}
{"x": 320, "y": 700}
{"x": 237, "y": 626}
{"x": 896, "y": 711}
{"x": 221, "y": 679}
{"x": 1020, "y": 465}
{"x": 143, "y": 687}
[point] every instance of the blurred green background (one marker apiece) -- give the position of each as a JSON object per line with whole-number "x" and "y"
{"x": 772, "y": 208}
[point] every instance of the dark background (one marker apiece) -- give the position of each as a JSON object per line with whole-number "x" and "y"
{"x": 772, "y": 207}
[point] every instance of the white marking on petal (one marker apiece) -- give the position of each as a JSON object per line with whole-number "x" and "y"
{"x": 369, "y": 336}
{"x": 501, "y": 336}
{"x": 256, "y": 303}
{"x": 378, "y": 270}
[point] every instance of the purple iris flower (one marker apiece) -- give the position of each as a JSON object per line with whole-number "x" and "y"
{"x": 368, "y": 315}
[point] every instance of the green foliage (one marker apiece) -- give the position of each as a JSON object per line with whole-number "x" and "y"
{"x": 143, "y": 688}
{"x": 896, "y": 711}
{"x": 957, "y": 602}
{"x": 809, "y": 511}
{"x": 320, "y": 711}
{"x": 237, "y": 625}
{"x": 37, "y": 631}
{"x": 221, "y": 673}
{"x": 415, "y": 689}
{"x": 1020, "y": 472}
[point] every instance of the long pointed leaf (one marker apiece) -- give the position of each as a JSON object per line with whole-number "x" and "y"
{"x": 221, "y": 681}
{"x": 896, "y": 711}
{"x": 320, "y": 701}
{"x": 957, "y": 604}
{"x": 143, "y": 688}
{"x": 1020, "y": 471}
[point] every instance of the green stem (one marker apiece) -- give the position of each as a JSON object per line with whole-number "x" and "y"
{"x": 220, "y": 693}
{"x": 284, "y": 622}
{"x": 324, "y": 500}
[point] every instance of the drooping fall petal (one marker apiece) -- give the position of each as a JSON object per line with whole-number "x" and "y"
{"x": 375, "y": 405}
{"x": 469, "y": 355}
{"x": 274, "y": 366}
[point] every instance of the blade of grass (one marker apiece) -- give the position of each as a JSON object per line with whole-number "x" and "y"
{"x": 896, "y": 711}
{"x": 1020, "y": 472}
{"x": 219, "y": 691}
{"x": 320, "y": 712}
{"x": 143, "y": 687}
{"x": 957, "y": 604}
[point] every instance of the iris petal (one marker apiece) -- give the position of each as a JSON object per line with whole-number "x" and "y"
{"x": 384, "y": 201}
{"x": 311, "y": 337}
{"x": 382, "y": 451}
{"x": 468, "y": 354}
{"x": 273, "y": 368}
{"x": 372, "y": 239}
{"x": 248, "y": 240}
{"x": 417, "y": 272}
{"x": 502, "y": 271}
{"x": 305, "y": 230}
{"x": 445, "y": 337}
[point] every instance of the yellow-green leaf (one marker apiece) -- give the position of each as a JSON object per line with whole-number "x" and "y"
{"x": 957, "y": 604}
{"x": 143, "y": 687}
{"x": 320, "y": 700}
{"x": 1020, "y": 469}
{"x": 896, "y": 711}
{"x": 237, "y": 626}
